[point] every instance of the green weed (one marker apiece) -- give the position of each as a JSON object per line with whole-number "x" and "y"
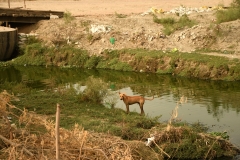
{"x": 92, "y": 62}
{"x": 32, "y": 54}
{"x": 68, "y": 17}
{"x": 95, "y": 92}
{"x": 120, "y": 15}
{"x": 223, "y": 135}
{"x": 171, "y": 25}
{"x": 230, "y": 14}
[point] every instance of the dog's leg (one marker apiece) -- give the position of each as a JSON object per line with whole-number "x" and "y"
{"x": 127, "y": 107}
{"x": 141, "y": 107}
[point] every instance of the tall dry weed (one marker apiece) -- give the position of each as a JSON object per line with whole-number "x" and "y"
{"x": 34, "y": 138}
{"x": 174, "y": 114}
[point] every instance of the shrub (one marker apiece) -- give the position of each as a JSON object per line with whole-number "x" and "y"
{"x": 171, "y": 25}
{"x": 120, "y": 15}
{"x": 33, "y": 54}
{"x": 228, "y": 15}
{"x": 68, "y": 17}
{"x": 92, "y": 62}
{"x": 96, "y": 90}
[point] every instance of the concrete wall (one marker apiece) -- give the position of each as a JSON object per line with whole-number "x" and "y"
{"x": 8, "y": 42}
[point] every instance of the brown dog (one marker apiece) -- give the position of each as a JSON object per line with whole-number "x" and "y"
{"x": 129, "y": 100}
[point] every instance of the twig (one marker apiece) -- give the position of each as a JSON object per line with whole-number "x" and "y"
{"x": 96, "y": 150}
{"x": 210, "y": 148}
{"x": 15, "y": 145}
{"x": 161, "y": 149}
{"x": 156, "y": 154}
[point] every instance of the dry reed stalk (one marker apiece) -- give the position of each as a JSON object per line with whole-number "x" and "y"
{"x": 57, "y": 131}
{"x": 175, "y": 112}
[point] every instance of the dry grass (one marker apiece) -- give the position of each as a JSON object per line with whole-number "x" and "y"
{"x": 30, "y": 142}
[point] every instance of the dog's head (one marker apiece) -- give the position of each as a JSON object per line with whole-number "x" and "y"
{"x": 121, "y": 95}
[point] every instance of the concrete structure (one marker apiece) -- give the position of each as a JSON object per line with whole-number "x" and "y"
{"x": 9, "y": 36}
{"x": 26, "y": 16}
{"x": 8, "y": 42}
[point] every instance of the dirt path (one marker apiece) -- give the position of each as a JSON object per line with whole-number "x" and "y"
{"x": 95, "y": 7}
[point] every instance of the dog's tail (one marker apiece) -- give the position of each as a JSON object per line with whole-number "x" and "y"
{"x": 149, "y": 98}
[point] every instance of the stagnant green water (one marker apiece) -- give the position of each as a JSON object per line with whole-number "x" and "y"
{"x": 213, "y": 103}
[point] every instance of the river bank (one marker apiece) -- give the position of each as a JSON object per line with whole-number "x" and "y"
{"x": 133, "y": 43}
{"x": 173, "y": 62}
{"x": 157, "y": 42}
{"x": 96, "y": 119}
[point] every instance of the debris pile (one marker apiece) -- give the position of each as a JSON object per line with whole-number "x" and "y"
{"x": 182, "y": 10}
{"x": 100, "y": 28}
{"x": 23, "y": 37}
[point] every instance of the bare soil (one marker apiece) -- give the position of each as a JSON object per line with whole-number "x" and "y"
{"x": 135, "y": 30}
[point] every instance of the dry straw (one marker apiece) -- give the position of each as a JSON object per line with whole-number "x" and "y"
{"x": 26, "y": 143}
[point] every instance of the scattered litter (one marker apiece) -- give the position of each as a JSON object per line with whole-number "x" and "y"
{"x": 150, "y": 140}
{"x": 174, "y": 50}
{"x": 153, "y": 10}
{"x": 52, "y": 16}
{"x": 112, "y": 40}
{"x": 182, "y": 10}
{"x": 100, "y": 28}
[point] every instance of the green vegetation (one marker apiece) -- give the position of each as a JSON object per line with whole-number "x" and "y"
{"x": 230, "y": 14}
{"x": 86, "y": 109}
{"x": 171, "y": 24}
{"x": 120, "y": 15}
{"x": 178, "y": 140}
{"x": 223, "y": 135}
{"x": 170, "y": 62}
{"x": 68, "y": 17}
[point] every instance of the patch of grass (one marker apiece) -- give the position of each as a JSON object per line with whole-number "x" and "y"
{"x": 67, "y": 16}
{"x": 121, "y": 66}
{"x": 32, "y": 54}
{"x": 223, "y": 135}
{"x": 95, "y": 92}
{"x": 120, "y": 15}
{"x": 92, "y": 62}
{"x": 85, "y": 23}
{"x": 171, "y": 25}
{"x": 35, "y": 53}
{"x": 89, "y": 114}
{"x": 89, "y": 37}
{"x": 230, "y": 14}
{"x": 114, "y": 63}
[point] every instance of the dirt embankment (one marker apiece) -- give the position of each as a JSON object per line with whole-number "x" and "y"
{"x": 105, "y": 25}
{"x": 131, "y": 25}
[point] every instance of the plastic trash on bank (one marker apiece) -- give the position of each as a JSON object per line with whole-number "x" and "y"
{"x": 100, "y": 28}
{"x": 150, "y": 140}
{"x": 112, "y": 40}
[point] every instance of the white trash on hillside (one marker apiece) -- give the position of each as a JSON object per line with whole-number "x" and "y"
{"x": 100, "y": 28}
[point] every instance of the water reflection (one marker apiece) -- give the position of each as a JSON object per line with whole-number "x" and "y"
{"x": 215, "y": 103}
